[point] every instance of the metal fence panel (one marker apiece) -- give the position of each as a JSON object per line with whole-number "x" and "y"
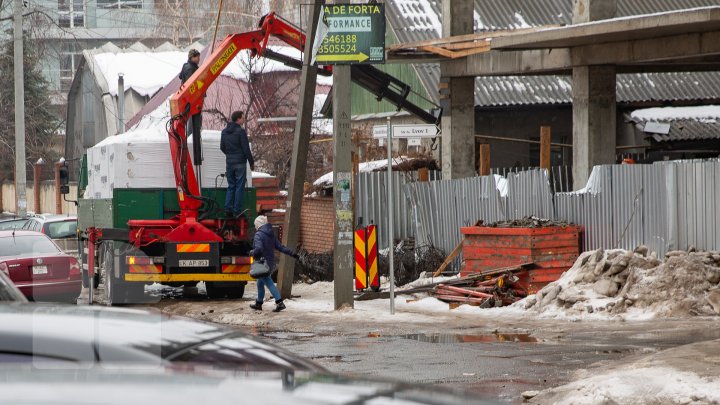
{"x": 666, "y": 205}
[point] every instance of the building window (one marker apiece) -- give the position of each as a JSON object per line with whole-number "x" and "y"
{"x": 119, "y": 3}
{"x": 70, "y": 58}
{"x": 71, "y": 13}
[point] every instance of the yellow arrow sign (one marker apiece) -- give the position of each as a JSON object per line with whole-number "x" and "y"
{"x": 199, "y": 84}
{"x": 358, "y": 57}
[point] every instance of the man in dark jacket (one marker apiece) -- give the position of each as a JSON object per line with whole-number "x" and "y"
{"x": 195, "y": 123}
{"x": 236, "y": 147}
{"x": 190, "y": 66}
{"x": 264, "y": 245}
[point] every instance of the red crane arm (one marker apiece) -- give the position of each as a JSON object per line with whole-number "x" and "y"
{"x": 188, "y": 100}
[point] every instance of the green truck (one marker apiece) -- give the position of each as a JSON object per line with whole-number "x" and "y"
{"x": 109, "y": 251}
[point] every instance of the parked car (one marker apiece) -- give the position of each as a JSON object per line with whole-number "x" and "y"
{"x": 95, "y": 334}
{"x": 75, "y": 384}
{"x": 58, "y": 354}
{"x": 54, "y": 226}
{"x": 10, "y": 223}
{"x": 38, "y": 267}
{"x": 9, "y": 291}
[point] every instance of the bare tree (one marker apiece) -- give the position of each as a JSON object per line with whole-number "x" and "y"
{"x": 186, "y": 21}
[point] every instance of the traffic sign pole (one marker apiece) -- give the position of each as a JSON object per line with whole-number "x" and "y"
{"x": 391, "y": 237}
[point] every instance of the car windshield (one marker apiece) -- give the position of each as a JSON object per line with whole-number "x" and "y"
{"x": 59, "y": 230}
{"x": 12, "y": 224}
{"x": 26, "y": 245}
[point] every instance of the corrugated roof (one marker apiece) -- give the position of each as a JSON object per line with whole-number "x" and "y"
{"x": 678, "y": 123}
{"x": 411, "y": 22}
{"x": 687, "y": 130}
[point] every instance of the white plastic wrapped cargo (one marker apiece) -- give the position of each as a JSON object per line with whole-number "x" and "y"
{"x": 141, "y": 159}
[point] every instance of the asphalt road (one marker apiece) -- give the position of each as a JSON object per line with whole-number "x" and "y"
{"x": 495, "y": 366}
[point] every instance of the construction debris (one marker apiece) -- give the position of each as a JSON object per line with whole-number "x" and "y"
{"x": 526, "y": 222}
{"x": 410, "y": 261}
{"x": 484, "y": 290}
{"x": 312, "y": 267}
{"x": 634, "y": 284}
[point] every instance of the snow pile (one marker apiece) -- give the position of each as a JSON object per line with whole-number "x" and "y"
{"x": 326, "y": 180}
{"x": 638, "y": 386}
{"x": 705, "y": 113}
{"x": 634, "y": 285}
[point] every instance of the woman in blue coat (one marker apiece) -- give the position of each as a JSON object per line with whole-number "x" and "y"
{"x": 264, "y": 245}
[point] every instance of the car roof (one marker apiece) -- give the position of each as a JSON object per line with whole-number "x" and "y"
{"x": 102, "y": 334}
{"x": 171, "y": 385}
{"x": 8, "y": 234}
{"x": 53, "y": 217}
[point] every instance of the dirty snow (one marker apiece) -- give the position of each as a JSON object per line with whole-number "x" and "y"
{"x": 326, "y": 180}
{"x": 641, "y": 386}
{"x": 680, "y": 375}
{"x": 664, "y": 114}
{"x": 632, "y": 286}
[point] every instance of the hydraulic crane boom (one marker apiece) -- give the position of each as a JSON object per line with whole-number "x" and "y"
{"x": 189, "y": 99}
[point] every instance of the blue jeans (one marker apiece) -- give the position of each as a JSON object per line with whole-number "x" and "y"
{"x": 261, "y": 283}
{"x": 236, "y": 178}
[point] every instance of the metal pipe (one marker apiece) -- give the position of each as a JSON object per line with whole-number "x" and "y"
{"x": 502, "y": 138}
{"x": 20, "y": 169}
{"x": 390, "y": 218}
{"x": 121, "y": 104}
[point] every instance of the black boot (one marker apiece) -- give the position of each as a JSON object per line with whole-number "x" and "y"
{"x": 256, "y": 306}
{"x": 279, "y": 306}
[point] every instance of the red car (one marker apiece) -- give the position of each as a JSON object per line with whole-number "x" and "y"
{"x": 38, "y": 267}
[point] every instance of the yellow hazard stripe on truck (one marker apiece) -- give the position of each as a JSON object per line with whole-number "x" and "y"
{"x": 159, "y": 278}
{"x": 193, "y": 247}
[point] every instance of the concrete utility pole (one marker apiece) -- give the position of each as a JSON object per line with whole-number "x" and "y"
{"x": 344, "y": 262}
{"x": 20, "y": 173}
{"x": 458, "y": 100}
{"x": 594, "y": 102}
{"x": 301, "y": 143}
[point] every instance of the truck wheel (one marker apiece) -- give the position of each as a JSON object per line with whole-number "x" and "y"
{"x": 236, "y": 291}
{"x": 217, "y": 290}
{"x": 214, "y": 291}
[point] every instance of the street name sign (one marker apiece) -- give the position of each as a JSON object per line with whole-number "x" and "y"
{"x": 355, "y": 33}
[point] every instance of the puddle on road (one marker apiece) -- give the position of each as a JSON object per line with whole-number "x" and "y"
{"x": 288, "y": 335}
{"x": 459, "y": 338}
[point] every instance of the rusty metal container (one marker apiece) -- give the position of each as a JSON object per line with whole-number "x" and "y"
{"x": 552, "y": 249}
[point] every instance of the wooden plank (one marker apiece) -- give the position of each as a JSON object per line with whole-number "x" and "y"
{"x": 437, "y": 50}
{"x": 464, "y": 291}
{"x": 466, "y": 38}
{"x": 484, "y": 169}
{"x": 449, "y": 259}
{"x": 545, "y": 140}
{"x": 456, "y": 298}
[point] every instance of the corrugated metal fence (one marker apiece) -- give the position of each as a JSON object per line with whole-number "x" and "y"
{"x": 371, "y": 203}
{"x": 666, "y": 205}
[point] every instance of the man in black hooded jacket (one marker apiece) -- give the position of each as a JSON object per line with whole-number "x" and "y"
{"x": 236, "y": 147}
{"x": 190, "y": 66}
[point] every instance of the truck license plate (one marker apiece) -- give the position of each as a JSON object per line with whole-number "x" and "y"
{"x": 194, "y": 263}
{"x": 40, "y": 269}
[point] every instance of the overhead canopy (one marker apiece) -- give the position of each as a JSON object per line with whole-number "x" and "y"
{"x": 704, "y": 19}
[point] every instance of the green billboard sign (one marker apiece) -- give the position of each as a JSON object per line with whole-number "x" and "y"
{"x": 353, "y": 33}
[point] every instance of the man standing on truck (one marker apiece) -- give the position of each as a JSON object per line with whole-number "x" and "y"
{"x": 190, "y": 66}
{"x": 236, "y": 147}
{"x": 188, "y": 69}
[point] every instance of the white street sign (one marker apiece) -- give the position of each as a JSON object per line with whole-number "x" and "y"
{"x": 414, "y": 142}
{"x": 379, "y": 131}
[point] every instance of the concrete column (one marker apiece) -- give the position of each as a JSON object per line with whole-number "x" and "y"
{"x": 343, "y": 258}
{"x": 594, "y": 104}
{"x": 458, "y": 121}
{"x": 593, "y": 10}
{"x": 594, "y": 120}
